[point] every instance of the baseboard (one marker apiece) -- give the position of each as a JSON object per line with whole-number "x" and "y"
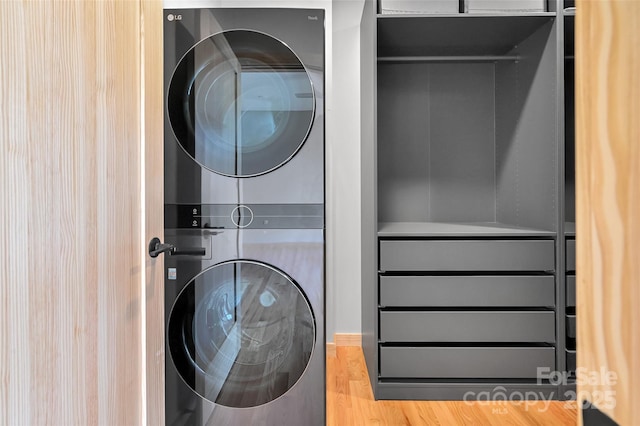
{"x": 343, "y": 339}
{"x": 347, "y": 339}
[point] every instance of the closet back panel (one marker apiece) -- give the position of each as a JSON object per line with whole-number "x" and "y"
{"x": 403, "y": 145}
{"x": 436, "y": 126}
{"x": 462, "y": 128}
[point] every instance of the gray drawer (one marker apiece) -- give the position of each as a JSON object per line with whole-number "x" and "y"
{"x": 467, "y": 291}
{"x": 571, "y": 255}
{"x": 467, "y": 255}
{"x": 464, "y": 362}
{"x": 467, "y": 326}
{"x": 571, "y": 291}
{"x": 571, "y": 326}
{"x": 571, "y": 360}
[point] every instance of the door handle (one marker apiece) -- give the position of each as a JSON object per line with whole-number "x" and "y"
{"x": 156, "y": 248}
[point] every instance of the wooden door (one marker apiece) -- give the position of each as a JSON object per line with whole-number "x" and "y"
{"x": 153, "y": 137}
{"x": 608, "y": 206}
{"x": 80, "y": 192}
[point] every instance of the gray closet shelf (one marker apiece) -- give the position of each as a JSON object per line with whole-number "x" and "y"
{"x": 448, "y": 58}
{"x": 467, "y": 34}
{"x": 439, "y": 229}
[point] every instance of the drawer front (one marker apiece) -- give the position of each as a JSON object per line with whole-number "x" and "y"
{"x": 571, "y": 291}
{"x": 467, "y": 291}
{"x": 471, "y": 326}
{"x": 464, "y": 362}
{"x": 467, "y": 255}
{"x": 571, "y": 326}
{"x": 571, "y": 255}
{"x": 571, "y": 360}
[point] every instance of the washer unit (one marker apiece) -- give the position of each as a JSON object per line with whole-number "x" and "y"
{"x": 244, "y": 216}
{"x": 245, "y": 327}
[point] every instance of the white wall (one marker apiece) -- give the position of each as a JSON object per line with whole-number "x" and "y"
{"x": 342, "y": 105}
{"x": 343, "y": 170}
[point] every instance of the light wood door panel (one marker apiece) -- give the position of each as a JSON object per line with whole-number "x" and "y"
{"x": 71, "y": 233}
{"x": 154, "y": 207}
{"x": 608, "y": 203}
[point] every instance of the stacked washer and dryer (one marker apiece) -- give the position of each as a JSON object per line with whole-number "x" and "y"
{"x": 244, "y": 216}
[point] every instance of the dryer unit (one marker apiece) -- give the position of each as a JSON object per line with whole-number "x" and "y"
{"x": 244, "y": 216}
{"x": 245, "y": 106}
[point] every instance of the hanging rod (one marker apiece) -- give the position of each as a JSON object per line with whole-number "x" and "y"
{"x": 449, "y": 58}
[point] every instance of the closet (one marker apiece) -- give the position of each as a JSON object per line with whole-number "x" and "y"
{"x": 464, "y": 288}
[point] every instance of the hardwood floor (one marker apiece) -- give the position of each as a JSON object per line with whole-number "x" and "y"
{"x": 350, "y": 402}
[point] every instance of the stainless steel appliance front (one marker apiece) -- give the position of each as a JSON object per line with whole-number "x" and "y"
{"x": 244, "y": 212}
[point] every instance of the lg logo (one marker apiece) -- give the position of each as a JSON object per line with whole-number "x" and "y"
{"x": 172, "y": 17}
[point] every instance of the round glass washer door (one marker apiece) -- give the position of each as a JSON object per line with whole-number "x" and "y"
{"x": 241, "y": 103}
{"x": 241, "y": 334}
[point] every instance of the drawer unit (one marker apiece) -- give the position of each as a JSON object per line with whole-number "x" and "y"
{"x": 467, "y": 255}
{"x": 467, "y": 326}
{"x": 464, "y": 362}
{"x": 571, "y": 326}
{"x": 571, "y": 255}
{"x": 571, "y": 291}
{"x": 466, "y": 309}
{"x": 467, "y": 291}
{"x": 571, "y": 360}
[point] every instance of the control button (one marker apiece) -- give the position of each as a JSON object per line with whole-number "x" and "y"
{"x": 242, "y": 216}
{"x": 194, "y": 223}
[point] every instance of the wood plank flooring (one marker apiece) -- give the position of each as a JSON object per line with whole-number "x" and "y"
{"x": 350, "y": 402}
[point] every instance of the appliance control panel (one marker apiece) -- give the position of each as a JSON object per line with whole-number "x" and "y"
{"x": 244, "y": 216}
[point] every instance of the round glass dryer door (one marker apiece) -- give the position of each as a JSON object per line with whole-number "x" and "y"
{"x": 241, "y": 103}
{"x": 241, "y": 334}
